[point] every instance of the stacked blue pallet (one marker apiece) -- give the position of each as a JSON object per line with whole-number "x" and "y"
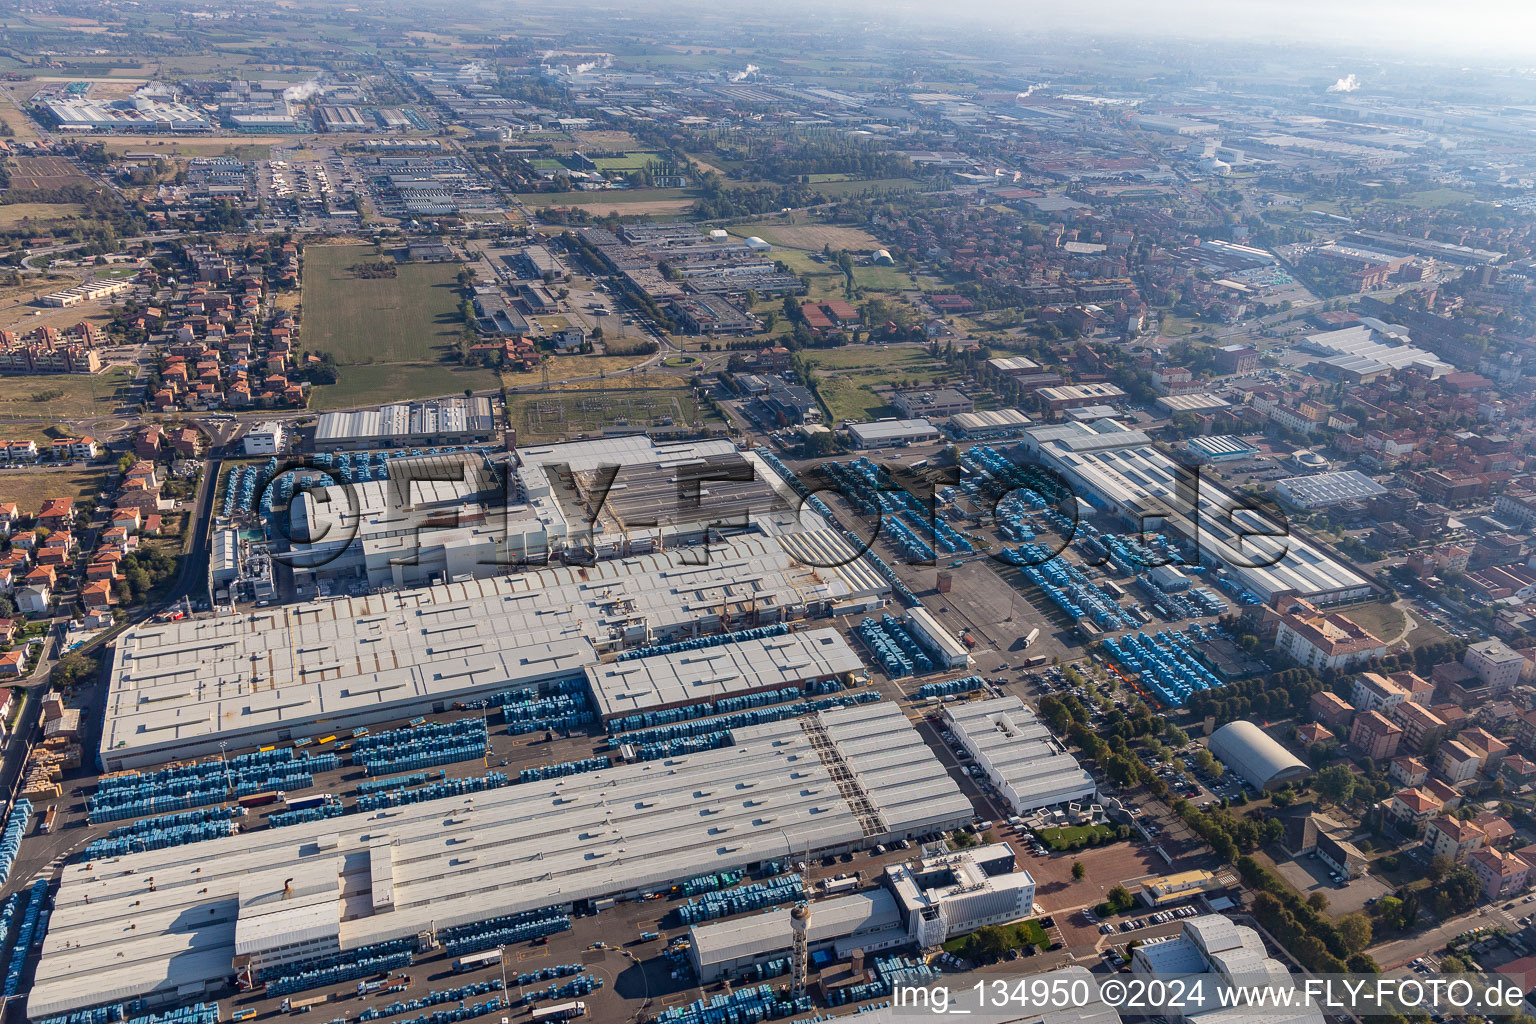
{"x": 423, "y": 746}
{"x": 446, "y": 787}
{"x": 1208, "y": 601}
{"x": 739, "y": 1006}
{"x": 821, "y": 687}
{"x": 146, "y": 825}
{"x": 582, "y": 984}
{"x": 704, "y": 709}
{"x": 575, "y": 684}
{"x": 466, "y": 1011}
{"x": 399, "y": 781}
{"x": 967, "y": 684}
{"x": 197, "y": 1013}
{"x": 710, "y": 883}
{"x": 742, "y": 719}
{"x": 432, "y": 754}
{"x": 702, "y": 642}
{"x": 686, "y": 745}
{"x": 552, "y": 706}
{"x": 33, "y": 925}
{"x": 330, "y": 809}
{"x": 8, "y": 912}
{"x": 890, "y": 971}
{"x": 10, "y": 840}
{"x": 280, "y": 781}
{"x": 392, "y": 741}
{"x": 489, "y": 935}
{"x": 315, "y": 977}
{"x": 909, "y": 644}
{"x": 785, "y": 889}
{"x": 1067, "y": 586}
{"x": 435, "y": 997}
{"x": 555, "y": 771}
{"x": 1166, "y": 664}
{"x": 139, "y": 795}
{"x": 893, "y": 647}
{"x": 374, "y": 951}
{"x": 160, "y": 838}
{"x": 997, "y": 473}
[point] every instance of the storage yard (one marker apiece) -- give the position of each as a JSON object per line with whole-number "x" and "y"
{"x": 492, "y": 769}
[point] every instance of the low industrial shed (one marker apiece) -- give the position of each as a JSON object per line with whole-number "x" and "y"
{"x": 1253, "y": 754}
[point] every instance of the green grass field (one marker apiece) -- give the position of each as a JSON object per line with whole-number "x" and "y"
{"x": 845, "y": 377}
{"x": 378, "y": 383}
{"x": 30, "y": 489}
{"x": 846, "y": 399}
{"x": 623, "y": 164}
{"x": 606, "y": 196}
{"x": 413, "y": 317}
{"x": 78, "y": 394}
{"x": 857, "y": 186}
{"x": 871, "y": 357}
{"x": 1061, "y": 839}
{"x": 559, "y": 415}
{"x": 12, "y": 214}
{"x": 1019, "y": 934}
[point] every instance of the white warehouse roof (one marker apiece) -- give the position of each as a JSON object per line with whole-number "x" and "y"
{"x": 756, "y": 935}
{"x": 465, "y": 859}
{"x": 1029, "y": 767}
{"x": 177, "y": 689}
{"x": 1140, "y": 480}
{"x": 709, "y": 673}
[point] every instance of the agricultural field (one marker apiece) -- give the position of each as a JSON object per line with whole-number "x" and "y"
{"x": 858, "y": 186}
{"x": 845, "y": 378}
{"x": 564, "y": 414}
{"x": 42, "y": 173}
{"x": 637, "y": 202}
{"x": 607, "y": 141}
{"x": 811, "y": 237}
{"x": 846, "y": 399}
{"x": 13, "y": 214}
{"x": 67, "y": 395}
{"x": 30, "y": 488}
{"x": 244, "y": 147}
{"x": 379, "y": 383}
{"x": 410, "y": 318}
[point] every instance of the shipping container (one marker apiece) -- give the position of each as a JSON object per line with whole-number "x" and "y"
{"x": 258, "y": 799}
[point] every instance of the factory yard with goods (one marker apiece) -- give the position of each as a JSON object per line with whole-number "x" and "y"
{"x": 711, "y": 517}
{"x": 620, "y": 781}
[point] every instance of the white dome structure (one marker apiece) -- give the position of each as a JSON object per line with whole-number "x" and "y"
{"x": 882, "y": 257}
{"x": 753, "y": 242}
{"x": 1253, "y": 754}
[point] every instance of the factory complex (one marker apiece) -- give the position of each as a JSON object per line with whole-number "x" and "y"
{"x": 172, "y": 923}
{"x": 1116, "y": 470}
{"x": 180, "y": 689}
{"x": 944, "y": 894}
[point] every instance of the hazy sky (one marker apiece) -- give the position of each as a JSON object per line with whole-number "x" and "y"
{"x": 1498, "y": 30}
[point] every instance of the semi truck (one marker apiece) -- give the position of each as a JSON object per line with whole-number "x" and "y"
{"x": 1032, "y": 636}
{"x": 258, "y": 799}
{"x": 560, "y": 1011}
{"x": 475, "y": 961}
{"x": 299, "y": 803}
